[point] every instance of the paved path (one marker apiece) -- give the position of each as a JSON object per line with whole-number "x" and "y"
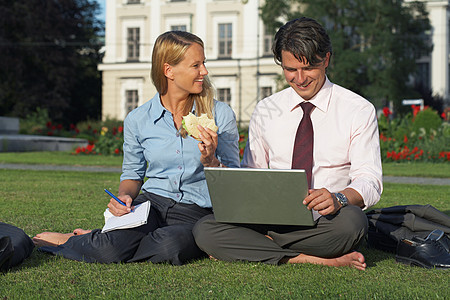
{"x": 392, "y": 179}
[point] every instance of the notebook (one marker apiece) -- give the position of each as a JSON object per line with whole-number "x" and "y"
{"x": 133, "y": 219}
{"x": 259, "y": 196}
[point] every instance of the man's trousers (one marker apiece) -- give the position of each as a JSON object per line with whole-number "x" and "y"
{"x": 332, "y": 236}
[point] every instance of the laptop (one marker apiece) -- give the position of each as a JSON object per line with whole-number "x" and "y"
{"x": 259, "y": 196}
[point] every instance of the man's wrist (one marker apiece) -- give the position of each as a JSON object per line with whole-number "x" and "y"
{"x": 341, "y": 198}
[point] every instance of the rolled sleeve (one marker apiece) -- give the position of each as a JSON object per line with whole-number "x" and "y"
{"x": 366, "y": 170}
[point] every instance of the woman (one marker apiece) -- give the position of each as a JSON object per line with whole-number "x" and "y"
{"x": 157, "y": 147}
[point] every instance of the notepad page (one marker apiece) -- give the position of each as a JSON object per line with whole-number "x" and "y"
{"x": 133, "y": 219}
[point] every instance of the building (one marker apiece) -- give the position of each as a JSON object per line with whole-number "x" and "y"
{"x": 433, "y": 70}
{"x": 238, "y": 53}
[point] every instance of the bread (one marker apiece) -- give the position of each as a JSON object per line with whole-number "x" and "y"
{"x": 190, "y": 123}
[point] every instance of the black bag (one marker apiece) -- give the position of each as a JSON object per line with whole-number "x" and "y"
{"x": 388, "y": 226}
{"x": 15, "y": 246}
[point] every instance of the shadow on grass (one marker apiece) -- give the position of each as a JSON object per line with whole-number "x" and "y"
{"x": 35, "y": 260}
{"x": 374, "y": 256}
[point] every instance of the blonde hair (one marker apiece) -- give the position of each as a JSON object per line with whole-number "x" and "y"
{"x": 170, "y": 47}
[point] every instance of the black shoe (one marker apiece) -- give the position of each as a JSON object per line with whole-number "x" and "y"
{"x": 427, "y": 254}
{"x": 6, "y": 253}
{"x": 441, "y": 237}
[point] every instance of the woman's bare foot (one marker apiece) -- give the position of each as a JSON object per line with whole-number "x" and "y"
{"x": 353, "y": 259}
{"x": 51, "y": 238}
{"x": 80, "y": 231}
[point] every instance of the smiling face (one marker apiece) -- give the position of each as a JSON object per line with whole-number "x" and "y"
{"x": 187, "y": 76}
{"x": 305, "y": 79}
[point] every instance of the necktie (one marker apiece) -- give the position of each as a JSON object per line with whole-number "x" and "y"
{"x": 302, "y": 157}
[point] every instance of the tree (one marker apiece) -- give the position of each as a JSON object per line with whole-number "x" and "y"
{"x": 49, "y": 53}
{"x": 375, "y": 42}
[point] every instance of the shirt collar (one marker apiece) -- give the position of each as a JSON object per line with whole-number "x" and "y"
{"x": 158, "y": 110}
{"x": 321, "y": 100}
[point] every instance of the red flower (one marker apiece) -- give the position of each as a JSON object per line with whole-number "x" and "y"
{"x": 116, "y": 151}
{"x": 120, "y": 129}
{"x": 387, "y": 112}
{"x": 415, "y": 109}
{"x": 405, "y": 139}
{"x": 49, "y": 124}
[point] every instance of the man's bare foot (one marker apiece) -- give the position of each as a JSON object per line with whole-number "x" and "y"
{"x": 353, "y": 259}
{"x": 80, "y": 231}
{"x": 51, "y": 238}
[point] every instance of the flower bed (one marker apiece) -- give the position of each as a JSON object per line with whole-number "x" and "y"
{"x": 419, "y": 136}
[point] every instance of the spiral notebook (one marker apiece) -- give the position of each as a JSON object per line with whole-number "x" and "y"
{"x": 259, "y": 196}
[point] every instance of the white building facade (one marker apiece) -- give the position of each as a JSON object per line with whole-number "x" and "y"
{"x": 434, "y": 69}
{"x": 238, "y": 53}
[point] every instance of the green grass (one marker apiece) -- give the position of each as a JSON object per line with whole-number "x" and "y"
{"x": 60, "y": 158}
{"x": 417, "y": 169}
{"x": 65, "y": 158}
{"x": 61, "y": 201}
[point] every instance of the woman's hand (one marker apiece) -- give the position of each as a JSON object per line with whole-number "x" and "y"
{"x": 208, "y": 147}
{"x": 118, "y": 209}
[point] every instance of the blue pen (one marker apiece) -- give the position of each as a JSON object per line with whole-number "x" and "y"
{"x": 117, "y": 199}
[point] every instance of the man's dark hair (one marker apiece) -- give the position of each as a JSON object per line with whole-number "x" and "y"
{"x": 303, "y": 37}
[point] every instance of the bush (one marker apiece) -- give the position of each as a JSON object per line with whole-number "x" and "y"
{"x": 428, "y": 120}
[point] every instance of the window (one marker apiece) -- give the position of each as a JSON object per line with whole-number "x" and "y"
{"x": 178, "y": 27}
{"x": 225, "y": 40}
{"x": 132, "y": 100}
{"x": 267, "y": 42}
{"x": 265, "y": 91}
{"x": 133, "y": 44}
{"x": 224, "y": 95}
{"x": 423, "y": 74}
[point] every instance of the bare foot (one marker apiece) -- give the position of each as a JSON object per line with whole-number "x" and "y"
{"x": 80, "y": 231}
{"x": 353, "y": 259}
{"x": 51, "y": 238}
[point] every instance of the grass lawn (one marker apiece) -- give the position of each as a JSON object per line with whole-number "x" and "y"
{"x": 65, "y": 158}
{"x": 61, "y": 201}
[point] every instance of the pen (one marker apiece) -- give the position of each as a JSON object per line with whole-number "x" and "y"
{"x": 117, "y": 199}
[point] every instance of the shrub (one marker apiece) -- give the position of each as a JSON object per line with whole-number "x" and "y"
{"x": 428, "y": 120}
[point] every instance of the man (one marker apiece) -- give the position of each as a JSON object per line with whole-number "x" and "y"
{"x": 341, "y": 159}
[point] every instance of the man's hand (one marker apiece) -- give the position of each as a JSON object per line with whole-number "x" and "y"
{"x": 322, "y": 201}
